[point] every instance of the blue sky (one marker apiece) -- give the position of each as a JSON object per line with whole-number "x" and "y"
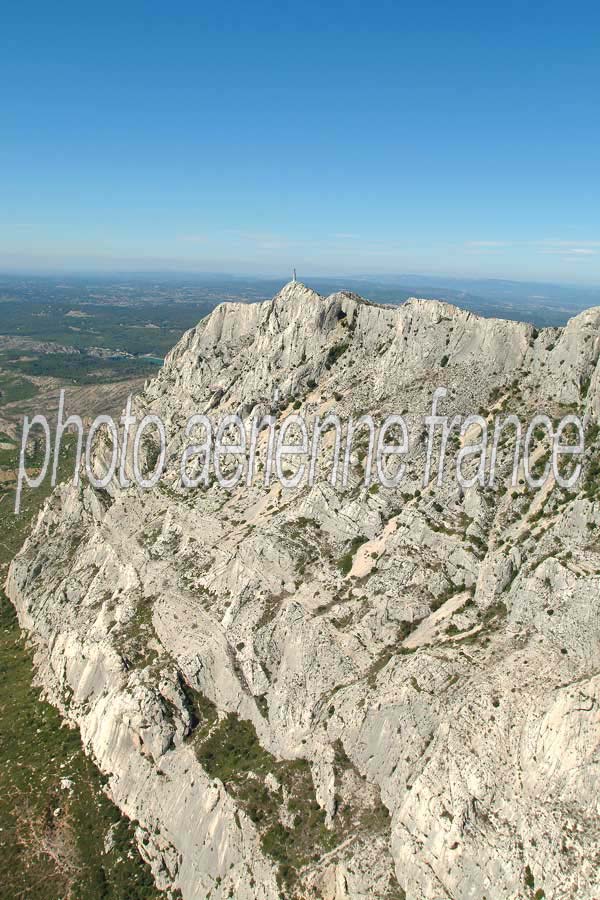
{"x": 458, "y": 139}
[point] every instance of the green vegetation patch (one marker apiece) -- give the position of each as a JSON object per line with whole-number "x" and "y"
{"x": 335, "y": 353}
{"x": 138, "y": 328}
{"x": 14, "y": 389}
{"x": 82, "y": 368}
{"x": 54, "y": 815}
{"x": 45, "y": 854}
{"x": 345, "y": 561}
{"x": 229, "y": 749}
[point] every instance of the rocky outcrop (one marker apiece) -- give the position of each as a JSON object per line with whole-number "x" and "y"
{"x": 341, "y": 692}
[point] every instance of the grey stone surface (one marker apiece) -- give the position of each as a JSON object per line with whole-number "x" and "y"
{"x": 443, "y": 688}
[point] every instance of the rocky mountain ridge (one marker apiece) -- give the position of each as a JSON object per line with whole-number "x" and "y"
{"x": 341, "y": 692}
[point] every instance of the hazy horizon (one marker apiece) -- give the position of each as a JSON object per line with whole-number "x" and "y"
{"x": 285, "y": 275}
{"x": 253, "y": 269}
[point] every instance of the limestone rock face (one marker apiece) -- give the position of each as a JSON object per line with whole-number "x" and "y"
{"x": 341, "y": 691}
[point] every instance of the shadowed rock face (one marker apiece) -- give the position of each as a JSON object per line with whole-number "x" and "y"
{"x": 341, "y": 692}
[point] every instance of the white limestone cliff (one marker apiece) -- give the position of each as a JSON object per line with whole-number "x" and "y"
{"x": 416, "y": 715}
